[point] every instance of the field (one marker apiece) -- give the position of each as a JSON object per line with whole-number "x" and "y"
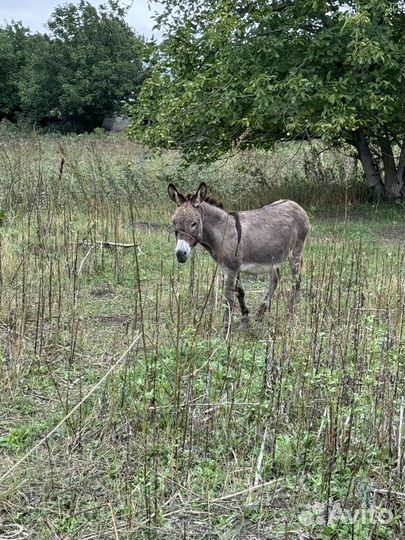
{"x": 291, "y": 430}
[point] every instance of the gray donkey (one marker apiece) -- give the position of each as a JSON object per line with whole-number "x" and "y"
{"x": 254, "y": 241}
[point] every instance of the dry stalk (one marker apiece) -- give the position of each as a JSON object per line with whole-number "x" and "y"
{"x": 72, "y": 411}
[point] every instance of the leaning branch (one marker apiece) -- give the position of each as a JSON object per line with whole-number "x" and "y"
{"x": 73, "y": 410}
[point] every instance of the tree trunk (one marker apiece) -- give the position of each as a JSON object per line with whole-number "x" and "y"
{"x": 392, "y": 185}
{"x": 372, "y": 174}
{"x": 401, "y": 170}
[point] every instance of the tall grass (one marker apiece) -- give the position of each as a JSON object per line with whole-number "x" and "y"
{"x": 92, "y": 169}
{"x": 192, "y": 437}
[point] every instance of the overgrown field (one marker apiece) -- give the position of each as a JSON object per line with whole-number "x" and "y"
{"x": 292, "y": 430}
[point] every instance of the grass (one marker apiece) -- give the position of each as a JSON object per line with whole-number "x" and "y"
{"x": 285, "y": 432}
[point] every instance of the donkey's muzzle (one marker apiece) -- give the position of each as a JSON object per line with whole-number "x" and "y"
{"x": 182, "y": 250}
{"x": 181, "y": 256}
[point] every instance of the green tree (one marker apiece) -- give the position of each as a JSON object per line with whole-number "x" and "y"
{"x": 89, "y": 64}
{"x": 14, "y": 44}
{"x": 233, "y": 74}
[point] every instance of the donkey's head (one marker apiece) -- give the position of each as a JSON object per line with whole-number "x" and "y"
{"x": 187, "y": 219}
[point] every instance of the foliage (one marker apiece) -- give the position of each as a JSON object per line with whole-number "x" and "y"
{"x": 38, "y": 87}
{"x": 14, "y": 43}
{"x": 234, "y": 74}
{"x": 92, "y": 61}
{"x": 81, "y": 71}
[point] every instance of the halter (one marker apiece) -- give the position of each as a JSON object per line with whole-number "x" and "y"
{"x": 238, "y": 226}
{"x": 173, "y": 229}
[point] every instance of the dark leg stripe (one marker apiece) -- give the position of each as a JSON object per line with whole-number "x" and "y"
{"x": 235, "y": 216}
{"x": 240, "y": 293}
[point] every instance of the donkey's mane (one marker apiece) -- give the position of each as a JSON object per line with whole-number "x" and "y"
{"x": 208, "y": 199}
{"x": 213, "y": 202}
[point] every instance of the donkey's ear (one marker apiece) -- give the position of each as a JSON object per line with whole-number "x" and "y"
{"x": 199, "y": 195}
{"x": 175, "y": 195}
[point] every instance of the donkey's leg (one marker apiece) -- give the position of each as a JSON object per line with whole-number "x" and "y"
{"x": 230, "y": 282}
{"x": 274, "y": 278}
{"x": 295, "y": 265}
{"x": 240, "y": 293}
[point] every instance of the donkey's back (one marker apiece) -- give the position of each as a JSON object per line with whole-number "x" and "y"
{"x": 272, "y": 234}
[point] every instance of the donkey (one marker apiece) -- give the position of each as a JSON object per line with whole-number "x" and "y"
{"x": 255, "y": 241}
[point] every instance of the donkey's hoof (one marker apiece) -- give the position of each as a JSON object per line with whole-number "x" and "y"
{"x": 244, "y": 325}
{"x": 260, "y": 316}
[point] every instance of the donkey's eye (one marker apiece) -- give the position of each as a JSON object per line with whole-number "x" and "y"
{"x": 194, "y": 225}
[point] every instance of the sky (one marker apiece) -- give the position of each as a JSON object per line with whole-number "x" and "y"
{"x": 35, "y": 13}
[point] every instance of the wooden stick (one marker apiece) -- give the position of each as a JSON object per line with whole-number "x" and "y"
{"x": 390, "y": 492}
{"x": 244, "y": 491}
{"x": 107, "y": 244}
{"x": 401, "y": 423}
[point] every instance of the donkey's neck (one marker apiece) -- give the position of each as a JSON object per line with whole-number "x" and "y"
{"x": 219, "y": 231}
